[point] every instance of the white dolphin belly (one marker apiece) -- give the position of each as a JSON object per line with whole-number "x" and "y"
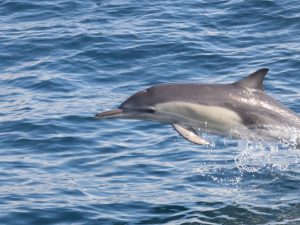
{"x": 218, "y": 120}
{"x": 202, "y": 116}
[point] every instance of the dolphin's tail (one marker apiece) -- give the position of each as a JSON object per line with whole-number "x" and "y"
{"x": 110, "y": 114}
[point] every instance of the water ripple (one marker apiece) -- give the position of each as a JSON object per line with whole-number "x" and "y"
{"x": 63, "y": 61}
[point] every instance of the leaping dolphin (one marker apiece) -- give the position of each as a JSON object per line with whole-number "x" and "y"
{"x": 240, "y": 110}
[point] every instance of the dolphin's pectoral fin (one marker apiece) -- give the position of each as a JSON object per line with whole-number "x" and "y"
{"x": 189, "y": 134}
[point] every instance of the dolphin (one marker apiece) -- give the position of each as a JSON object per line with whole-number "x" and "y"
{"x": 239, "y": 110}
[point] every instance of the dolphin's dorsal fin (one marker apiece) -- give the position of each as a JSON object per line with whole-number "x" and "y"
{"x": 254, "y": 80}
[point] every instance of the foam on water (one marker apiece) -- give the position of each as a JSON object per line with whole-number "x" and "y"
{"x": 257, "y": 156}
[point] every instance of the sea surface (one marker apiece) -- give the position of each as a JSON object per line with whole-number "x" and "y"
{"x": 62, "y": 61}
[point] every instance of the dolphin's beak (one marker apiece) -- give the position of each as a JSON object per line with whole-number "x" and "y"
{"x": 125, "y": 113}
{"x": 110, "y": 114}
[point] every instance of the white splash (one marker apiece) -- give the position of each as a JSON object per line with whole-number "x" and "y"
{"x": 256, "y": 156}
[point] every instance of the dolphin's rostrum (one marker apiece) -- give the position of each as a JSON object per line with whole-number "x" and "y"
{"x": 239, "y": 110}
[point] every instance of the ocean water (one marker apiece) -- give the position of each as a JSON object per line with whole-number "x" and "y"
{"x": 62, "y": 61}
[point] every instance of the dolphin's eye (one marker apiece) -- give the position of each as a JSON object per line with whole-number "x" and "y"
{"x": 146, "y": 110}
{"x": 150, "y": 110}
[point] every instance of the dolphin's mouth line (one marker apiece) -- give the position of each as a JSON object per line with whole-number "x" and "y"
{"x": 125, "y": 112}
{"x": 138, "y": 110}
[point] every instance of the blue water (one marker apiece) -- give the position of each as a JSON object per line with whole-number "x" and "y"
{"x": 62, "y": 61}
